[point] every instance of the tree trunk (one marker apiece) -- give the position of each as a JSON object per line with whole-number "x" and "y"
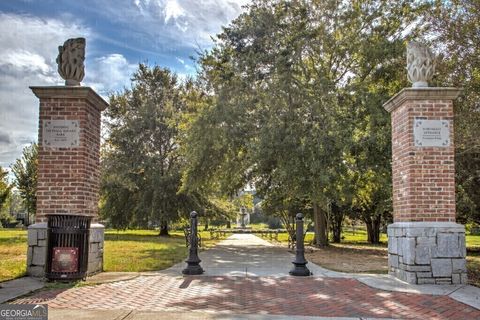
{"x": 336, "y": 230}
{"x": 229, "y": 225}
{"x": 206, "y": 225}
{"x": 320, "y": 227}
{"x": 337, "y": 220}
{"x": 373, "y": 229}
{"x": 164, "y": 229}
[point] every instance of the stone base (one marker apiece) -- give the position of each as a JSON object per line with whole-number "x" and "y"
{"x": 427, "y": 252}
{"x": 37, "y": 249}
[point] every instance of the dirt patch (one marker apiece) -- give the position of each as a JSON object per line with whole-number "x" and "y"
{"x": 350, "y": 258}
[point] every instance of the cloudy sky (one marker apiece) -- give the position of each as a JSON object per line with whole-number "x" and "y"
{"x": 119, "y": 33}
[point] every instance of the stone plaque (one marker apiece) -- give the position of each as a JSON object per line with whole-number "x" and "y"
{"x": 431, "y": 133}
{"x": 61, "y": 133}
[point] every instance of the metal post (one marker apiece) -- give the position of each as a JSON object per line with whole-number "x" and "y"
{"x": 243, "y": 214}
{"x": 300, "y": 263}
{"x": 193, "y": 261}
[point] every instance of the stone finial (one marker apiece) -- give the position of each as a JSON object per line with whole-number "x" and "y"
{"x": 420, "y": 64}
{"x": 70, "y": 61}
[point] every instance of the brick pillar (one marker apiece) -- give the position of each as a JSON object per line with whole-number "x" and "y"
{"x": 68, "y": 167}
{"x": 425, "y": 245}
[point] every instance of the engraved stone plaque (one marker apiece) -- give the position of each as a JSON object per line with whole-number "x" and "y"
{"x": 431, "y": 133}
{"x": 61, "y": 133}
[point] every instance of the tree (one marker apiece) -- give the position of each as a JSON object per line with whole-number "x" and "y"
{"x": 455, "y": 30}
{"x": 295, "y": 91}
{"x": 25, "y": 171}
{"x": 140, "y": 160}
{"x": 5, "y": 187}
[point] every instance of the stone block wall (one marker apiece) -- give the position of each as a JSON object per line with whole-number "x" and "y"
{"x": 37, "y": 249}
{"x": 95, "y": 249}
{"x": 427, "y": 252}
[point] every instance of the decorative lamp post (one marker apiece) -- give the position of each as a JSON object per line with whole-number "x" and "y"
{"x": 193, "y": 261}
{"x": 300, "y": 263}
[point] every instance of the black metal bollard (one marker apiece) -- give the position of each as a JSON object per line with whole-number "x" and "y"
{"x": 300, "y": 263}
{"x": 193, "y": 261}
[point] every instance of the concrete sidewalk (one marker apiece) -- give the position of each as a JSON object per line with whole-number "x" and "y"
{"x": 242, "y": 255}
{"x": 18, "y": 287}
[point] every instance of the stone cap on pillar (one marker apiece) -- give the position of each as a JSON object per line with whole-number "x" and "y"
{"x": 428, "y": 93}
{"x": 46, "y": 92}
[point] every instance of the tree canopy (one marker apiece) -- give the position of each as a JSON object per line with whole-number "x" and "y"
{"x": 25, "y": 170}
{"x": 140, "y": 159}
{"x": 295, "y": 93}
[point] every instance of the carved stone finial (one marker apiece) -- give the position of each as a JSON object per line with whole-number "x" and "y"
{"x": 70, "y": 61}
{"x": 420, "y": 64}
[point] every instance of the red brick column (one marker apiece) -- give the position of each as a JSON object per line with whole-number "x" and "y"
{"x": 425, "y": 243}
{"x": 68, "y": 166}
{"x": 423, "y": 177}
{"x": 68, "y": 177}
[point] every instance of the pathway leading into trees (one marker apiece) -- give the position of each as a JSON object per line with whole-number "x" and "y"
{"x": 247, "y": 278}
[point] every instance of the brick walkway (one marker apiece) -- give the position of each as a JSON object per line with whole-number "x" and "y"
{"x": 328, "y": 297}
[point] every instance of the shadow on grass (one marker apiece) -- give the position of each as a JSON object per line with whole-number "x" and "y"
{"x": 143, "y": 237}
{"x": 164, "y": 259}
{"x": 17, "y": 239}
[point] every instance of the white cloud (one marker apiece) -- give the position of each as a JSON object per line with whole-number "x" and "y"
{"x": 23, "y": 59}
{"x": 27, "y": 58}
{"x": 173, "y": 10}
{"x": 188, "y": 23}
{"x": 110, "y": 73}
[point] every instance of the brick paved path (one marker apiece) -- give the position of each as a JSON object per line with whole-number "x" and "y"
{"x": 333, "y": 297}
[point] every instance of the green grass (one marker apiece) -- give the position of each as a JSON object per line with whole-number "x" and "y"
{"x": 142, "y": 250}
{"x": 130, "y": 250}
{"x": 360, "y": 238}
{"x": 257, "y": 226}
{"x": 357, "y": 238}
{"x": 13, "y": 253}
{"x": 473, "y": 241}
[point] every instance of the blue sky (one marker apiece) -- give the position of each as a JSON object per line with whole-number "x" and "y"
{"x": 120, "y": 34}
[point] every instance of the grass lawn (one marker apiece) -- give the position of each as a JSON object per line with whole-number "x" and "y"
{"x": 144, "y": 250}
{"x": 473, "y": 259}
{"x": 13, "y": 253}
{"x": 130, "y": 250}
{"x": 357, "y": 238}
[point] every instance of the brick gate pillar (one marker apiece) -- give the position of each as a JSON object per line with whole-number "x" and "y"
{"x": 68, "y": 167}
{"x": 425, "y": 245}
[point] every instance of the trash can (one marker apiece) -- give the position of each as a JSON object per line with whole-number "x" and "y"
{"x": 67, "y": 251}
